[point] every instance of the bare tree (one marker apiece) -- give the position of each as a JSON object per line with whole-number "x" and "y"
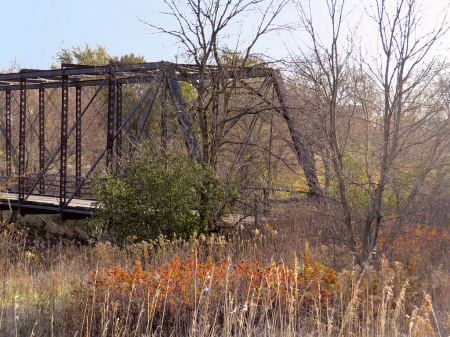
{"x": 202, "y": 27}
{"x": 374, "y": 114}
{"x": 222, "y": 103}
{"x": 323, "y": 70}
{"x": 406, "y": 67}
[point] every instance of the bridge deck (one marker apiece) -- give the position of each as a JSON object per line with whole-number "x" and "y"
{"x": 45, "y": 204}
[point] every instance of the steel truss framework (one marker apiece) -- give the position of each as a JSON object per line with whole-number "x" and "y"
{"x": 56, "y": 175}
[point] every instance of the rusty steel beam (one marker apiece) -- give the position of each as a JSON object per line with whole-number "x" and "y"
{"x": 111, "y": 110}
{"x": 186, "y": 70}
{"x": 53, "y": 156}
{"x": 63, "y": 157}
{"x": 161, "y": 73}
{"x": 118, "y": 132}
{"x": 303, "y": 155}
{"x": 78, "y": 138}
{"x": 8, "y": 134}
{"x": 164, "y": 118}
{"x": 144, "y": 121}
{"x": 119, "y": 118}
{"x": 133, "y": 111}
{"x": 80, "y": 71}
{"x": 183, "y": 118}
{"x": 41, "y": 138}
{"x": 22, "y": 148}
{"x": 74, "y": 193}
{"x": 86, "y": 83}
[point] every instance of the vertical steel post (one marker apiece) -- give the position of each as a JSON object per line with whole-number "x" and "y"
{"x": 41, "y": 138}
{"x": 119, "y": 121}
{"x": 8, "y": 133}
{"x": 63, "y": 165}
{"x": 164, "y": 119}
{"x": 111, "y": 108}
{"x": 22, "y": 121}
{"x": 78, "y": 139}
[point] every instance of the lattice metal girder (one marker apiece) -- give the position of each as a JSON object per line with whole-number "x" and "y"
{"x": 8, "y": 133}
{"x": 22, "y": 123}
{"x": 87, "y": 83}
{"x": 164, "y": 133}
{"x": 188, "y": 69}
{"x": 63, "y": 158}
{"x": 119, "y": 118}
{"x": 53, "y": 157}
{"x": 171, "y": 74}
{"x": 78, "y": 137}
{"x": 183, "y": 73}
{"x": 144, "y": 122}
{"x": 303, "y": 155}
{"x": 110, "y": 123}
{"x": 80, "y": 71}
{"x": 183, "y": 118}
{"x": 41, "y": 136}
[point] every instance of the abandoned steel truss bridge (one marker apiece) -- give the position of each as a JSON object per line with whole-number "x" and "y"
{"x": 59, "y": 126}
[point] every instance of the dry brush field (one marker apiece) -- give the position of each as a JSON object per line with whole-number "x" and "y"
{"x": 270, "y": 281}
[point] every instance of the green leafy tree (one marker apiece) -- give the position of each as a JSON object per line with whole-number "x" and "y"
{"x": 99, "y": 56}
{"x": 93, "y": 56}
{"x": 158, "y": 193}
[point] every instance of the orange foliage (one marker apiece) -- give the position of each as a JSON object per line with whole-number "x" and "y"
{"x": 183, "y": 284}
{"x": 431, "y": 241}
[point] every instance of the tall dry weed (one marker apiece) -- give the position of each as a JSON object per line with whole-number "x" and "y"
{"x": 53, "y": 291}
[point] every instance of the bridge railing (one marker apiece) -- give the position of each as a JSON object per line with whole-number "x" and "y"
{"x": 48, "y": 186}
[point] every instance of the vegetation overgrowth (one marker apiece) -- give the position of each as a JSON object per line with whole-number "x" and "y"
{"x": 363, "y": 128}
{"x": 258, "y": 282}
{"x": 159, "y": 193}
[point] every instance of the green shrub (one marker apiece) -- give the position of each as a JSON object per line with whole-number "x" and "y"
{"x": 157, "y": 193}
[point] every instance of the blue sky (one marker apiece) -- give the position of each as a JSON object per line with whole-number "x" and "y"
{"x": 33, "y": 30}
{"x": 36, "y": 29}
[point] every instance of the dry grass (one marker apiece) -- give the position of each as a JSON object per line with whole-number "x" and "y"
{"x": 56, "y": 292}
